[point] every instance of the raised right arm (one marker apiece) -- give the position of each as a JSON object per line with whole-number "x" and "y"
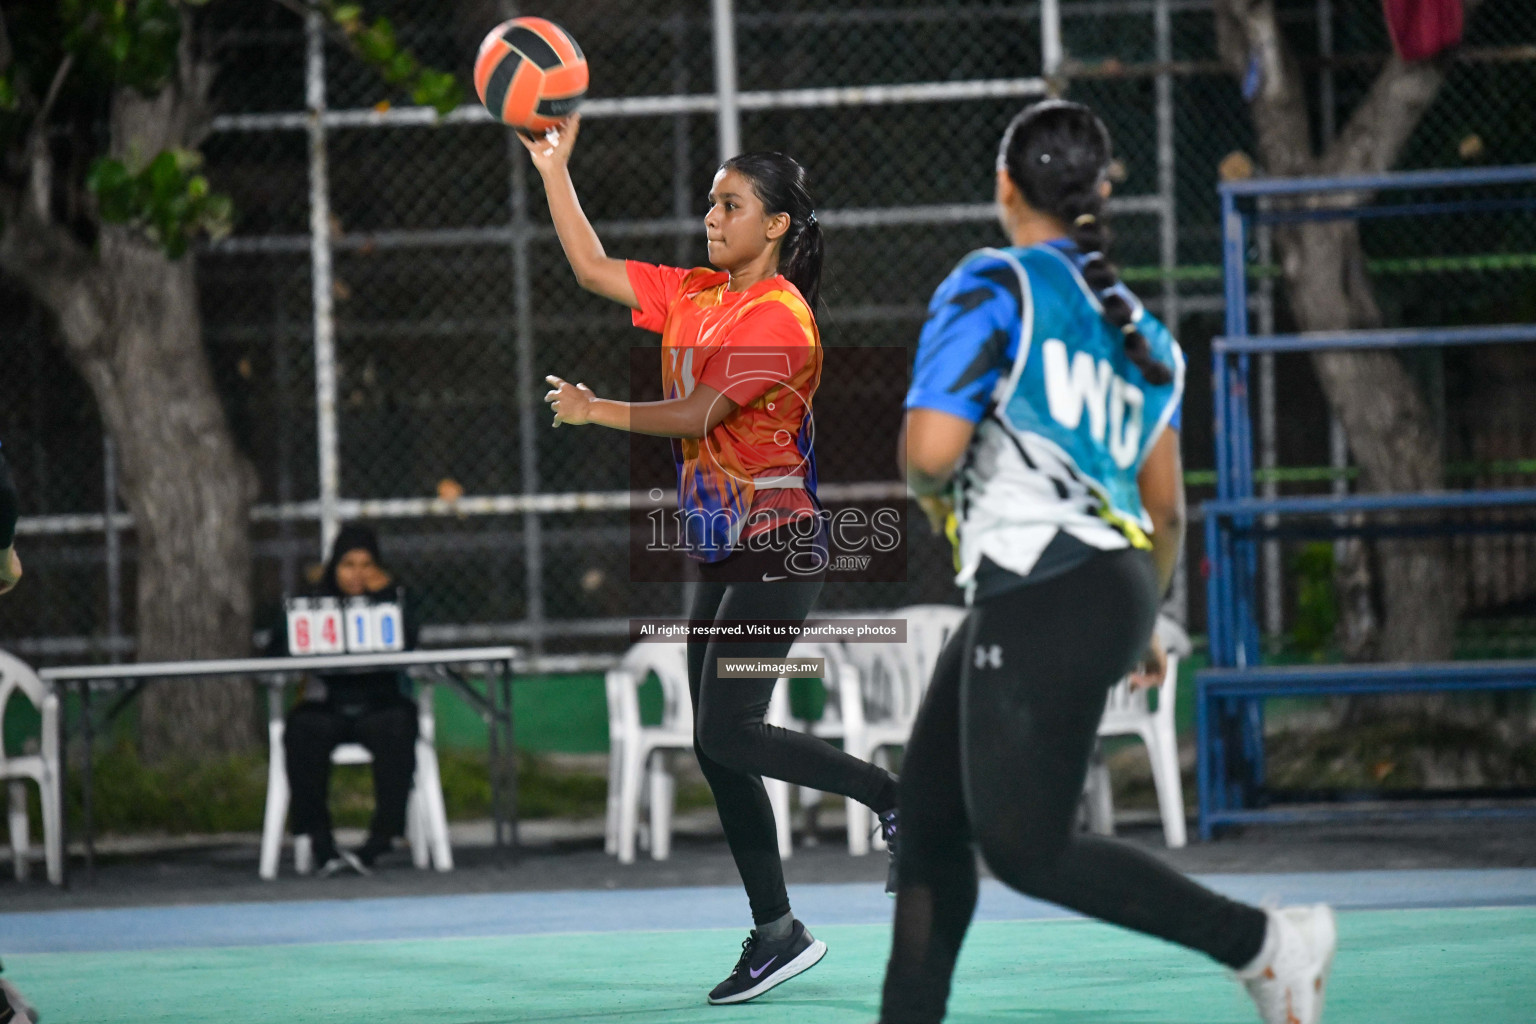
{"x": 596, "y": 271}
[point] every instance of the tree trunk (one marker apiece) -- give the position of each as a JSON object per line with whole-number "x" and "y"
{"x": 128, "y": 319}
{"x": 1386, "y": 419}
{"x": 190, "y": 491}
{"x": 1390, "y": 433}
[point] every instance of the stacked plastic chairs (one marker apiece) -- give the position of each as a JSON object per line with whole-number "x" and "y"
{"x": 638, "y": 754}
{"x": 878, "y": 689}
{"x": 873, "y": 695}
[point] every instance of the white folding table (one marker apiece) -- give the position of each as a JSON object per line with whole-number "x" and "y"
{"x": 494, "y": 706}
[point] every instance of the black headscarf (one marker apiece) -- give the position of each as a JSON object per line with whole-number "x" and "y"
{"x": 352, "y": 537}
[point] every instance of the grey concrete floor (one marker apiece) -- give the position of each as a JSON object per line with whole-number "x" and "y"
{"x": 570, "y": 856}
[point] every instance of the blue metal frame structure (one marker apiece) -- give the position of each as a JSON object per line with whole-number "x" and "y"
{"x": 1231, "y": 767}
{"x": 1221, "y": 797}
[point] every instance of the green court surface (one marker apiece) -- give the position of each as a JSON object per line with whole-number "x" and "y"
{"x": 1476, "y": 966}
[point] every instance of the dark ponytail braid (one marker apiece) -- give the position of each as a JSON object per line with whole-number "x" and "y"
{"x": 1058, "y": 153}
{"x": 779, "y": 182}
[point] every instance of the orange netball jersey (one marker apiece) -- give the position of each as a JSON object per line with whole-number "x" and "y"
{"x": 760, "y": 348}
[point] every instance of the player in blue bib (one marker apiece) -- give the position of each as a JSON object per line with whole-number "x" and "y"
{"x": 1042, "y": 429}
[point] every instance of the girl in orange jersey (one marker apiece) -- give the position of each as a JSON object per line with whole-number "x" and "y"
{"x": 741, "y": 358}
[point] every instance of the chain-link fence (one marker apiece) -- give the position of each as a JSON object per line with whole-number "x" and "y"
{"x": 449, "y": 298}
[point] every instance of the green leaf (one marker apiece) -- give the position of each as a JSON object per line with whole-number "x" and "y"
{"x": 378, "y": 46}
{"x": 166, "y": 199}
{"x": 218, "y": 216}
{"x": 348, "y": 17}
{"x": 438, "y": 90}
{"x": 187, "y": 160}
{"x": 127, "y": 44}
{"x": 377, "y": 43}
{"x": 401, "y": 68}
{"x": 105, "y": 175}
{"x": 164, "y": 176}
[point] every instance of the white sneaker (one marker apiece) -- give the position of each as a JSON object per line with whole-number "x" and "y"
{"x": 345, "y": 860}
{"x": 1289, "y": 977}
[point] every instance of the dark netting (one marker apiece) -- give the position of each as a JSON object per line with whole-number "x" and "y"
{"x": 258, "y": 325}
{"x": 452, "y": 299}
{"x": 812, "y": 45}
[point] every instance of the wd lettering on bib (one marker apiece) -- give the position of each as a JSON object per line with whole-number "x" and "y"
{"x": 1016, "y": 342}
{"x": 1114, "y": 404}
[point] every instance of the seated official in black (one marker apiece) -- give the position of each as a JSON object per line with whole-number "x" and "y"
{"x": 374, "y": 709}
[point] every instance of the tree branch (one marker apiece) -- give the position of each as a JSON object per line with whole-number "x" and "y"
{"x": 39, "y": 159}
{"x": 1249, "y": 40}
{"x": 303, "y": 8}
{"x": 176, "y": 117}
{"x": 1376, "y": 132}
{"x": 58, "y": 271}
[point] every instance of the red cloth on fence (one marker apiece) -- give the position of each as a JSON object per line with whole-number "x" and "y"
{"x": 1423, "y": 28}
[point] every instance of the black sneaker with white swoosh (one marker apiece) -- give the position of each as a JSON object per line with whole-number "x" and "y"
{"x": 765, "y": 964}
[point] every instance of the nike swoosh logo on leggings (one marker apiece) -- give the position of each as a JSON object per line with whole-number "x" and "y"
{"x": 759, "y": 972}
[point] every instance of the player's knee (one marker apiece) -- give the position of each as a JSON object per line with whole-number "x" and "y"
{"x": 725, "y": 743}
{"x": 1023, "y": 860}
{"x": 717, "y": 746}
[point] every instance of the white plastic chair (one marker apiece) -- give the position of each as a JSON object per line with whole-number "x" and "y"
{"x": 638, "y": 752}
{"x": 426, "y": 816}
{"x": 41, "y": 768}
{"x": 892, "y": 680}
{"x": 842, "y": 717}
{"x": 874, "y": 692}
{"x": 1128, "y": 712}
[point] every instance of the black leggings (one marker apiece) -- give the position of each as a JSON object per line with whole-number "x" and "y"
{"x": 736, "y": 749}
{"x": 315, "y": 729}
{"x": 997, "y": 760}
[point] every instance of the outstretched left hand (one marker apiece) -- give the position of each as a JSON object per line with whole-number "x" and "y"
{"x": 572, "y": 402}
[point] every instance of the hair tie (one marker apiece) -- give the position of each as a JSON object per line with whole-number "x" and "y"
{"x": 1089, "y": 257}
{"x": 1085, "y": 219}
{"x": 1127, "y": 329}
{"x": 810, "y": 220}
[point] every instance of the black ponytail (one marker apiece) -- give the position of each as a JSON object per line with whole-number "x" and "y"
{"x": 1058, "y": 153}
{"x": 779, "y": 182}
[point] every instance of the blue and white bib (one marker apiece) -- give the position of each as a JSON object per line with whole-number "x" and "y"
{"x": 1016, "y": 342}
